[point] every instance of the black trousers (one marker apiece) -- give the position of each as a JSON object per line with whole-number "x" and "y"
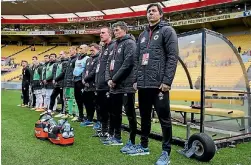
{"x": 56, "y": 91}
{"x": 25, "y": 92}
{"x": 89, "y": 102}
{"x": 97, "y": 107}
{"x": 33, "y": 97}
{"x": 116, "y": 115}
{"x": 161, "y": 102}
{"x": 104, "y": 103}
{"x": 78, "y": 93}
{"x": 129, "y": 105}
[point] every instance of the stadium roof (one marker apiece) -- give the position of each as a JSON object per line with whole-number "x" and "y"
{"x": 50, "y": 9}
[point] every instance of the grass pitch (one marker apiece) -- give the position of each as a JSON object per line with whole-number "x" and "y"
{"x": 20, "y": 147}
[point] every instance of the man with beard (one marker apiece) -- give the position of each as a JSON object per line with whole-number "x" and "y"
{"x": 36, "y": 83}
{"x": 46, "y": 61}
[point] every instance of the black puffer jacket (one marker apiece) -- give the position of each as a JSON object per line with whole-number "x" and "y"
{"x": 162, "y": 47}
{"x": 49, "y": 84}
{"x": 101, "y": 84}
{"x": 60, "y": 78}
{"x": 89, "y": 74}
{"x": 36, "y": 84}
{"x": 122, "y": 74}
{"x": 68, "y": 77}
{"x": 26, "y": 74}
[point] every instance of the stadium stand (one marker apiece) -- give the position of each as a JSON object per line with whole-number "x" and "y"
{"x": 9, "y": 76}
{"x": 241, "y": 40}
{"x": 28, "y": 54}
{"x": 11, "y": 49}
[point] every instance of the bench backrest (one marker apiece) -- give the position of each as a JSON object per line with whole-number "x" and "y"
{"x": 213, "y": 97}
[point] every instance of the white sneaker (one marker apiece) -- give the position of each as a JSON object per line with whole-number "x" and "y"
{"x": 65, "y": 116}
{"x": 75, "y": 118}
{"x": 59, "y": 115}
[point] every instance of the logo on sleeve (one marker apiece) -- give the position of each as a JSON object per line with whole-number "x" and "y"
{"x": 119, "y": 50}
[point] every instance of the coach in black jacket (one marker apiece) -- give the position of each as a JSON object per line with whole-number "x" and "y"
{"x": 102, "y": 88}
{"x": 157, "y": 56}
{"x": 119, "y": 76}
{"x": 26, "y": 75}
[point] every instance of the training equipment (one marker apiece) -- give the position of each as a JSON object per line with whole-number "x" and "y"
{"x": 61, "y": 133}
{"x": 42, "y": 126}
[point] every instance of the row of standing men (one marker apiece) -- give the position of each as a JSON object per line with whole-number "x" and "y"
{"x": 109, "y": 78}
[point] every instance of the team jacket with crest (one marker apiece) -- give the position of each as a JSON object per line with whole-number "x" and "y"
{"x": 89, "y": 73}
{"x": 100, "y": 82}
{"x": 68, "y": 77}
{"x": 60, "y": 72}
{"x": 161, "y": 45}
{"x": 122, "y": 72}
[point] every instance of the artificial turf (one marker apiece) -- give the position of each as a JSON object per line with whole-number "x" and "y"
{"x": 20, "y": 147}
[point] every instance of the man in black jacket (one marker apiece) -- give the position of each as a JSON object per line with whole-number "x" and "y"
{"x": 102, "y": 88}
{"x": 58, "y": 82}
{"x": 119, "y": 76}
{"x": 88, "y": 79}
{"x": 50, "y": 71}
{"x": 156, "y": 62}
{"x": 36, "y": 83}
{"x": 26, "y": 75}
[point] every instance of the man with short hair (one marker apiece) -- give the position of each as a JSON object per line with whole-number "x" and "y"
{"x": 46, "y": 62}
{"x": 36, "y": 83}
{"x": 68, "y": 84}
{"x": 88, "y": 79}
{"x": 58, "y": 83}
{"x": 79, "y": 69}
{"x": 50, "y": 71}
{"x": 102, "y": 88}
{"x": 25, "y": 83}
{"x": 156, "y": 62}
{"x": 119, "y": 75}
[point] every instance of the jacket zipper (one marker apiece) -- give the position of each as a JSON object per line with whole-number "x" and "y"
{"x": 148, "y": 44}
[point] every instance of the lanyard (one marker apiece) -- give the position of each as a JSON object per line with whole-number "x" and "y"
{"x": 115, "y": 50}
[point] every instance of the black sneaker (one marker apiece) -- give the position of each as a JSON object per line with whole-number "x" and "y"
{"x": 80, "y": 120}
